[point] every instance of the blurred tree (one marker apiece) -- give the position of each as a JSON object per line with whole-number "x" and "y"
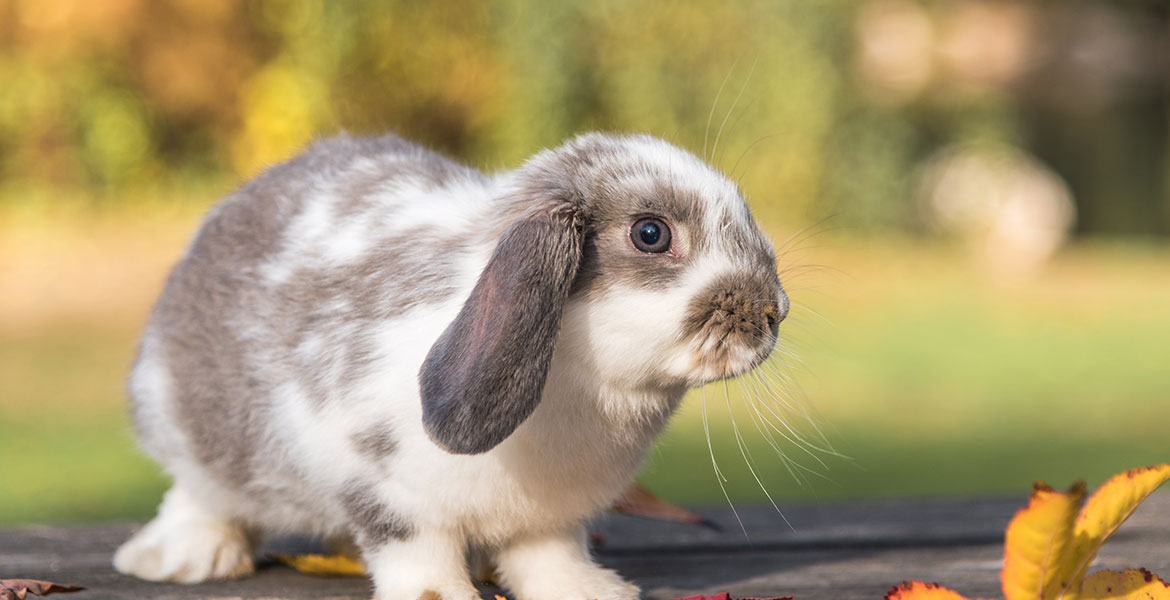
{"x": 818, "y": 108}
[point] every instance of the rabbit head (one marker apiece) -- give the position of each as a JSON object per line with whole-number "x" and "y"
{"x": 651, "y": 254}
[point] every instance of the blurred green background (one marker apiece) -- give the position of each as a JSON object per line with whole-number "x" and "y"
{"x": 971, "y": 199}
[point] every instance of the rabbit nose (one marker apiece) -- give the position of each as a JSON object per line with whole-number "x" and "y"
{"x": 776, "y": 311}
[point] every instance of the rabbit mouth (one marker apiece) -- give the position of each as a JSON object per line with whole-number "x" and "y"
{"x": 723, "y": 357}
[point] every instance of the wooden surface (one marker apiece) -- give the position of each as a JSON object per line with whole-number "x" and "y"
{"x": 831, "y": 552}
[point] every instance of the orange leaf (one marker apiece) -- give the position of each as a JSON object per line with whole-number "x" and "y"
{"x": 1105, "y": 511}
{"x": 322, "y": 564}
{"x": 1038, "y": 542}
{"x": 641, "y": 502}
{"x": 1132, "y": 584}
{"x": 916, "y": 590}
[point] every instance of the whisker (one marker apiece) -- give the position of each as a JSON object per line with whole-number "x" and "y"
{"x": 735, "y": 123}
{"x": 778, "y": 384}
{"x": 719, "y": 478}
{"x": 710, "y": 115}
{"x": 821, "y": 442}
{"x": 811, "y": 311}
{"x": 743, "y": 154}
{"x": 765, "y": 429}
{"x": 719, "y": 134}
{"x": 795, "y": 437}
{"x": 747, "y": 456}
{"x": 802, "y": 234}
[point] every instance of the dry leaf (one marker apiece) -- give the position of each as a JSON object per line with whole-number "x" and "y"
{"x": 1038, "y": 541}
{"x": 1104, "y": 512}
{"x": 1132, "y": 584}
{"x": 322, "y": 564}
{"x": 641, "y": 502}
{"x": 916, "y": 590}
{"x": 18, "y": 589}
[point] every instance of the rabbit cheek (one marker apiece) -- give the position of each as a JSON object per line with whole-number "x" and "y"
{"x": 733, "y": 323}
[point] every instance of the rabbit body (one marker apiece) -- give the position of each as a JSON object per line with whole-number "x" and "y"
{"x": 278, "y": 381}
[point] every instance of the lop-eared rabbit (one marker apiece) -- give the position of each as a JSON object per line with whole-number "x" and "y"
{"x": 373, "y": 344}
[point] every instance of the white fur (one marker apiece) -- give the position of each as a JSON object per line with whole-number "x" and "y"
{"x": 608, "y": 395}
{"x": 185, "y": 543}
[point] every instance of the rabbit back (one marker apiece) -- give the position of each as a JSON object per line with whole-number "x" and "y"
{"x": 294, "y": 289}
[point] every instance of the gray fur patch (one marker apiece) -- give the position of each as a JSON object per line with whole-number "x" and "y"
{"x": 213, "y": 388}
{"x": 375, "y": 523}
{"x": 609, "y": 260}
{"x": 343, "y": 305}
{"x": 743, "y": 238}
{"x": 377, "y": 441}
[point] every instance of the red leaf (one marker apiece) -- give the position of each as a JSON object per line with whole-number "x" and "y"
{"x": 726, "y": 596}
{"x": 917, "y": 590}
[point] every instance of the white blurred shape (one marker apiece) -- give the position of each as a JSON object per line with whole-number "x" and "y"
{"x": 1013, "y": 210}
{"x": 895, "y": 45}
{"x": 987, "y": 43}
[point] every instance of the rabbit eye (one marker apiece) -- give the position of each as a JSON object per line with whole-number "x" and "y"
{"x": 650, "y": 235}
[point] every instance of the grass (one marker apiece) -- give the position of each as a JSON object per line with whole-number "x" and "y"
{"x": 936, "y": 381}
{"x": 930, "y": 376}
{"x": 67, "y": 452}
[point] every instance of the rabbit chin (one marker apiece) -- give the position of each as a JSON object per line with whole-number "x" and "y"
{"x": 723, "y": 362}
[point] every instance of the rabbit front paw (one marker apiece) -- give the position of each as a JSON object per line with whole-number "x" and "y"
{"x": 559, "y": 568}
{"x": 185, "y": 545}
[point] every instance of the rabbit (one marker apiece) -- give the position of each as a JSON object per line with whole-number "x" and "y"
{"x": 373, "y": 344}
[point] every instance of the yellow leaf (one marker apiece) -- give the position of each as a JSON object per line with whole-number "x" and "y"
{"x": 1132, "y": 584}
{"x": 1037, "y": 543}
{"x": 916, "y": 590}
{"x": 1105, "y": 511}
{"x": 322, "y": 564}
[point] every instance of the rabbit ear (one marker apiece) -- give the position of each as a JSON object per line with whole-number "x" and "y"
{"x": 486, "y": 373}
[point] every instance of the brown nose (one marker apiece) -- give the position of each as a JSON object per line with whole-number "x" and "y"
{"x": 776, "y": 312}
{"x": 743, "y": 308}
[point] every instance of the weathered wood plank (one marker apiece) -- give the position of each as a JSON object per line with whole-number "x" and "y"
{"x": 830, "y": 552}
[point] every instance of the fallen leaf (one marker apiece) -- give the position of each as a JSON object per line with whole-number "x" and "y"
{"x": 641, "y": 502}
{"x": 1104, "y": 512}
{"x": 1132, "y": 584}
{"x": 1038, "y": 542}
{"x": 322, "y": 564}
{"x": 18, "y": 589}
{"x": 726, "y": 596}
{"x": 916, "y": 590}
{"x": 1051, "y": 542}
